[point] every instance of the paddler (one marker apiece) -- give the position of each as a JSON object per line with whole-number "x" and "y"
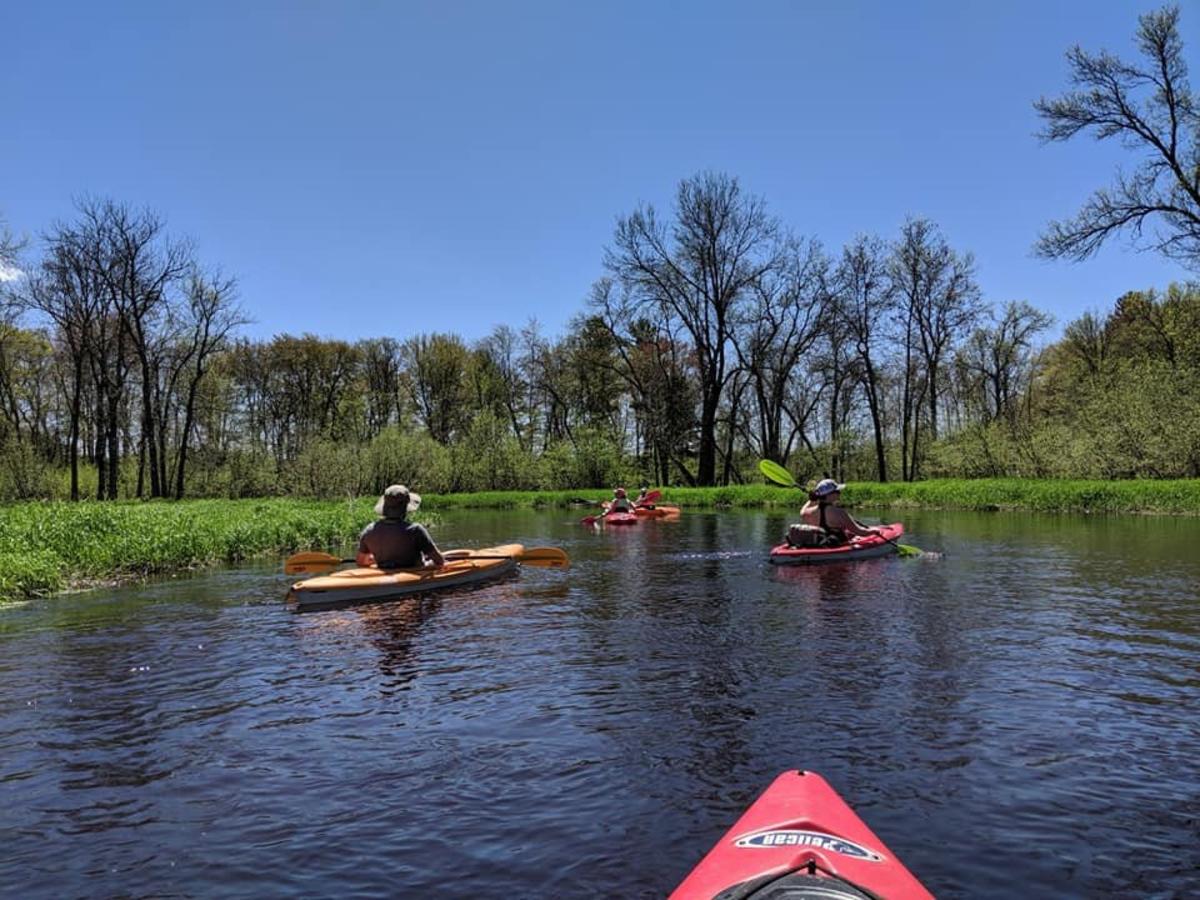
{"x": 619, "y": 503}
{"x": 822, "y": 511}
{"x": 392, "y": 542}
{"x": 641, "y": 502}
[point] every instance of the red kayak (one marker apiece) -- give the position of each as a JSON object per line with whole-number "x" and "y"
{"x": 619, "y": 519}
{"x": 857, "y": 548}
{"x": 800, "y": 841}
{"x": 607, "y": 518}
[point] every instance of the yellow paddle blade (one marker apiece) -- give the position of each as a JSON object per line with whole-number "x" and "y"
{"x": 547, "y": 557}
{"x": 310, "y": 561}
{"x": 776, "y": 473}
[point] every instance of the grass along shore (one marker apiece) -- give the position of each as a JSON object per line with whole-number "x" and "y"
{"x": 1178, "y": 497}
{"x": 48, "y": 547}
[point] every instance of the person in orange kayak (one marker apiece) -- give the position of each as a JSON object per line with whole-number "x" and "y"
{"x": 822, "y": 512}
{"x": 392, "y": 542}
{"x": 641, "y": 500}
{"x": 619, "y": 503}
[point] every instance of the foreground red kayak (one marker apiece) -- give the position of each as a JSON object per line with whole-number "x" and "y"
{"x": 800, "y": 841}
{"x": 857, "y": 548}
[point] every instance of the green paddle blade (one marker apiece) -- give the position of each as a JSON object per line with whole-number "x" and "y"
{"x": 776, "y": 473}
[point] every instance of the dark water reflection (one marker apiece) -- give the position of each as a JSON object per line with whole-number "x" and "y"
{"x": 1016, "y": 719}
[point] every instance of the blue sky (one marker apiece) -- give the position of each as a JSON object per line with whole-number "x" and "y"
{"x": 370, "y": 168}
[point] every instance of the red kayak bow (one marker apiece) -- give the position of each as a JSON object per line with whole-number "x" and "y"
{"x": 800, "y": 840}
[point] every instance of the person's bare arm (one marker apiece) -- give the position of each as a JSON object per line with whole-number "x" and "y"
{"x": 846, "y": 523}
{"x": 434, "y": 554}
{"x": 364, "y": 559}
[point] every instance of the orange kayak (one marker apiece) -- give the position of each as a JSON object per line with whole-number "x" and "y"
{"x": 657, "y": 512}
{"x": 364, "y": 584}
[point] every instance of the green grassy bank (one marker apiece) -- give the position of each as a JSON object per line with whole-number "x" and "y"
{"x": 46, "y": 547}
{"x": 1181, "y": 497}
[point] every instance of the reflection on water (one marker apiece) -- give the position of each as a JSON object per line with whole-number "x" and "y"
{"x": 1014, "y": 719}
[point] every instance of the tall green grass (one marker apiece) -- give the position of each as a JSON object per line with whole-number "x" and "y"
{"x": 47, "y": 546}
{"x": 1174, "y": 497}
{"x": 1179, "y": 497}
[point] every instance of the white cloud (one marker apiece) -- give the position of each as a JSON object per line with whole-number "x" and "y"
{"x": 9, "y": 273}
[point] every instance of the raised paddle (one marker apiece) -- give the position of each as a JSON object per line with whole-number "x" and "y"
{"x": 542, "y": 557}
{"x": 651, "y": 497}
{"x": 778, "y": 474}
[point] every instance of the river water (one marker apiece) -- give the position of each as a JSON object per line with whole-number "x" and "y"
{"x": 1017, "y": 718}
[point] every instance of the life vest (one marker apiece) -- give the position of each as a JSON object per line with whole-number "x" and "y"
{"x": 823, "y": 535}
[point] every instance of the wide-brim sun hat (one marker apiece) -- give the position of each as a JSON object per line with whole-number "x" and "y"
{"x": 827, "y": 486}
{"x": 396, "y": 502}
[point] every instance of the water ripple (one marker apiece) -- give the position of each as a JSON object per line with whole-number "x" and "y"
{"x": 1024, "y": 704}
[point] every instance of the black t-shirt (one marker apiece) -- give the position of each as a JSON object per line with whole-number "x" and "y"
{"x": 396, "y": 544}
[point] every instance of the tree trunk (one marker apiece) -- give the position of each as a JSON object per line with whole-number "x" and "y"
{"x": 706, "y": 464}
{"x": 141, "y": 478}
{"x": 933, "y": 400}
{"x": 157, "y": 488}
{"x": 114, "y": 447}
{"x": 183, "y": 443}
{"x": 876, "y": 416}
{"x": 76, "y": 397}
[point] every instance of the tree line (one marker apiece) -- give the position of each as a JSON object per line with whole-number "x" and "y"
{"x": 714, "y": 338}
{"x": 129, "y": 324}
{"x": 716, "y": 335}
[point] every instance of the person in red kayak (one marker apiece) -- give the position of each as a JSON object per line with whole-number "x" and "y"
{"x": 392, "y": 542}
{"x": 822, "y": 512}
{"x": 619, "y": 503}
{"x": 642, "y": 502}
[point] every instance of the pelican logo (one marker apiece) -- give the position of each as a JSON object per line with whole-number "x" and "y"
{"x": 790, "y": 837}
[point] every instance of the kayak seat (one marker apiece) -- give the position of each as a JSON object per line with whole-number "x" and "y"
{"x": 795, "y": 886}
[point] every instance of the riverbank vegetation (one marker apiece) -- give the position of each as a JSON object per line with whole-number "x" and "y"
{"x": 1166, "y": 497}
{"x": 715, "y": 335}
{"x": 46, "y": 547}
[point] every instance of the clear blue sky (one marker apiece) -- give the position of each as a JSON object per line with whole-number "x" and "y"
{"x": 387, "y": 167}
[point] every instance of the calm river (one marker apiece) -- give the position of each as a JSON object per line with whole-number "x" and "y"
{"x": 1020, "y": 718}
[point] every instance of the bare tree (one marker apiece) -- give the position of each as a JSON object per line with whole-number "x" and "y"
{"x": 940, "y": 301}
{"x": 1000, "y": 356}
{"x": 68, "y": 291}
{"x": 381, "y": 365}
{"x": 782, "y": 326}
{"x": 864, "y": 297}
{"x": 1149, "y": 108}
{"x": 501, "y": 350}
{"x": 10, "y": 252}
{"x": 212, "y": 316}
{"x": 140, "y": 267}
{"x": 654, "y": 360}
{"x": 435, "y": 372}
{"x": 697, "y": 272}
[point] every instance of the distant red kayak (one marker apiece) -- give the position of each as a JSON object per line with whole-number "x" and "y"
{"x": 857, "y": 548}
{"x": 800, "y": 841}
